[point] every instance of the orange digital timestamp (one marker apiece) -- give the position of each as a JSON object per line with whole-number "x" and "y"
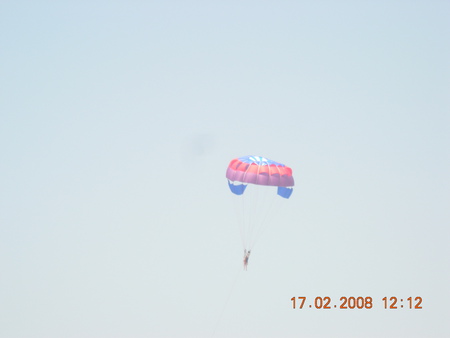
{"x": 355, "y": 303}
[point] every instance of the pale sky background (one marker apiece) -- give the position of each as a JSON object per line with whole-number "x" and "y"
{"x": 118, "y": 120}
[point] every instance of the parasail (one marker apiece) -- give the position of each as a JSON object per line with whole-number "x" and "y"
{"x": 253, "y": 180}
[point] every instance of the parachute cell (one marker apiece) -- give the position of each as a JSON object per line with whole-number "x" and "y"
{"x": 284, "y": 192}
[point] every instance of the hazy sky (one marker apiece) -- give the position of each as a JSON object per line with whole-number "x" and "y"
{"x": 118, "y": 120}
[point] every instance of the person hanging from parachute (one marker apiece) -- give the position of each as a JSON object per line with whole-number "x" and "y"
{"x": 261, "y": 172}
{"x": 246, "y": 257}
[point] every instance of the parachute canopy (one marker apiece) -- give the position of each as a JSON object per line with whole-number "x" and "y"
{"x": 260, "y": 171}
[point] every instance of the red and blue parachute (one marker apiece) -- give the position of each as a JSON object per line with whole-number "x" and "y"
{"x": 261, "y": 171}
{"x": 253, "y": 206}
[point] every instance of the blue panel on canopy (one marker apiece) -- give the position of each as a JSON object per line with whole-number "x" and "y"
{"x": 285, "y": 192}
{"x": 237, "y": 189}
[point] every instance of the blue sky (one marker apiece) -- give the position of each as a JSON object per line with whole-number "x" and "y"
{"x": 118, "y": 120}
